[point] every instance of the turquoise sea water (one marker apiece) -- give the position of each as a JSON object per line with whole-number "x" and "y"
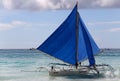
{"x": 23, "y": 65}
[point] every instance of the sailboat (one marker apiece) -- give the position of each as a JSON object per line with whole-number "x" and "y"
{"x": 72, "y": 43}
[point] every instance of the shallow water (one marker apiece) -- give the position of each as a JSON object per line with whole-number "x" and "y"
{"x": 23, "y": 65}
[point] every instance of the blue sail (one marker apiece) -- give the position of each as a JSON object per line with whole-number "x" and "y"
{"x": 69, "y": 45}
{"x": 86, "y": 45}
{"x": 62, "y": 43}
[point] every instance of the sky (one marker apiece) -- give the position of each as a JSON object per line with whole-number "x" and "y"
{"x": 27, "y": 23}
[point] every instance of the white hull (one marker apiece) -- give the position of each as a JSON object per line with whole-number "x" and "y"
{"x": 75, "y": 73}
{"x": 83, "y": 72}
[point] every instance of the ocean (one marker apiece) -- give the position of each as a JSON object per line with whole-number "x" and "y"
{"x": 24, "y": 65}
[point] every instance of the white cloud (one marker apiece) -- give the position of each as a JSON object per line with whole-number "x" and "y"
{"x": 7, "y": 4}
{"x": 104, "y": 23}
{"x": 4, "y": 26}
{"x": 25, "y": 25}
{"x": 11, "y": 25}
{"x": 58, "y": 4}
{"x": 18, "y": 23}
{"x": 114, "y": 30}
{"x": 107, "y": 24}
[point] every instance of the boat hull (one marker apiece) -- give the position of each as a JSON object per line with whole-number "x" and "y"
{"x": 81, "y": 74}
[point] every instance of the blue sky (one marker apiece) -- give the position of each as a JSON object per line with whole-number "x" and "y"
{"x": 26, "y": 27}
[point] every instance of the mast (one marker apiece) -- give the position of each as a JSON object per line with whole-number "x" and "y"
{"x": 76, "y": 35}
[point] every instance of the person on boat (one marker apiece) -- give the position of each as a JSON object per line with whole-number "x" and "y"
{"x": 76, "y": 65}
{"x": 80, "y": 64}
{"x": 53, "y": 69}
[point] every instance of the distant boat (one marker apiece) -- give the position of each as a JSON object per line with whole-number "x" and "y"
{"x": 32, "y": 49}
{"x": 73, "y": 44}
